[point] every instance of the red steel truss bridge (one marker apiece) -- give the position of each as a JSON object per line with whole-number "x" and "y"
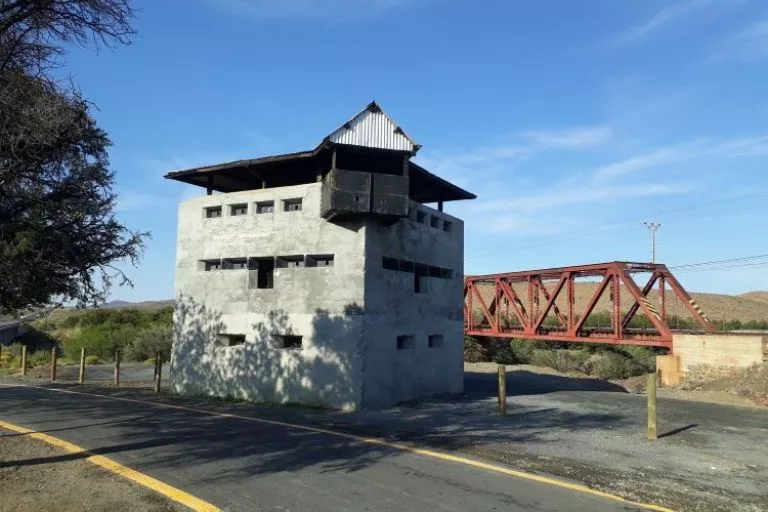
{"x": 541, "y": 304}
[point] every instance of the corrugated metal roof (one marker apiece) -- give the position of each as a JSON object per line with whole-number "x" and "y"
{"x": 374, "y": 129}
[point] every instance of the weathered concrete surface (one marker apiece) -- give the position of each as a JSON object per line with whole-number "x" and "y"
{"x": 712, "y": 356}
{"x": 349, "y": 315}
{"x": 669, "y": 370}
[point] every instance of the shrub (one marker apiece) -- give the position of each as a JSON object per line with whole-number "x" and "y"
{"x": 522, "y": 350}
{"x": 643, "y": 356}
{"x": 148, "y": 342}
{"x": 92, "y": 360}
{"x": 39, "y": 358}
{"x": 612, "y": 365}
{"x": 504, "y": 354}
{"x": 564, "y": 361}
{"x": 474, "y": 351}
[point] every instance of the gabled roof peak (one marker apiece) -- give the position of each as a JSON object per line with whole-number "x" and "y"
{"x": 373, "y": 128}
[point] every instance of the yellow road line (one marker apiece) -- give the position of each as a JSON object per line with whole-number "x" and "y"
{"x": 381, "y": 442}
{"x": 110, "y": 465}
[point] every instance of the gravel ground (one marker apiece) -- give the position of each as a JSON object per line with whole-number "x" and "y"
{"x": 710, "y": 457}
{"x": 36, "y": 477}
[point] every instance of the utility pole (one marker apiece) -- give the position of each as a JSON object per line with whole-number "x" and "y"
{"x": 653, "y": 227}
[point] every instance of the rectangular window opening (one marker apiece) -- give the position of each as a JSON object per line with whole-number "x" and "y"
{"x": 435, "y": 340}
{"x": 406, "y": 266}
{"x": 419, "y": 278}
{"x": 290, "y": 261}
{"x": 406, "y": 342}
{"x": 447, "y": 226}
{"x": 238, "y": 209}
{"x": 421, "y": 217}
{"x": 287, "y": 341}
{"x": 213, "y": 212}
{"x": 265, "y": 207}
{"x": 321, "y": 260}
{"x": 265, "y": 272}
{"x": 235, "y": 264}
{"x": 434, "y": 221}
{"x": 389, "y": 263}
{"x": 230, "y": 340}
{"x": 211, "y": 265}
{"x": 292, "y": 205}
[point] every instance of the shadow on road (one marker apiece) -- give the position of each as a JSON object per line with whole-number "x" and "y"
{"x": 522, "y": 382}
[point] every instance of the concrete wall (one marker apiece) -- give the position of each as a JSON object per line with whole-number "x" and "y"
{"x": 713, "y": 356}
{"x": 392, "y": 308}
{"x": 318, "y": 303}
{"x": 349, "y": 315}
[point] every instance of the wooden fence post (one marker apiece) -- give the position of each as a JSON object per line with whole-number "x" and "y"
{"x": 54, "y": 358}
{"x": 159, "y": 373}
{"x": 117, "y": 368}
{"x": 23, "y": 360}
{"x": 81, "y": 377}
{"x": 502, "y": 390}
{"x": 651, "y": 390}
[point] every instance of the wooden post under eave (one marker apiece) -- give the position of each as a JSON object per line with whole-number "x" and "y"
{"x": 117, "y": 369}
{"x": 209, "y": 188}
{"x": 81, "y": 376}
{"x": 23, "y": 360}
{"x": 502, "y": 390}
{"x": 651, "y": 390}
{"x": 54, "y": 359}
{"x": 159, "y": 374}
{"x": 439, "y": 206}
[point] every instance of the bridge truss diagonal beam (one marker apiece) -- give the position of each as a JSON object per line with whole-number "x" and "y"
{"x": 569, "y": 324}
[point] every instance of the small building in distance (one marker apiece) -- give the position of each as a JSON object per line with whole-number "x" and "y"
{"x": 321, "y": 277}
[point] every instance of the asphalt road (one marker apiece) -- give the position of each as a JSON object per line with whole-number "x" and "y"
{"x": 242, "y": 465}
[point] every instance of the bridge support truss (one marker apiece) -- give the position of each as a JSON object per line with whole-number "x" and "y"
{"x": 493, "y": 306}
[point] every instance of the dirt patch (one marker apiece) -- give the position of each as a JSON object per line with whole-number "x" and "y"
{"x": 747, "y": 389}
{"x": 36, "y": 477}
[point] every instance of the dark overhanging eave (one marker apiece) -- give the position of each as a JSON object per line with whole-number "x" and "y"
{"x": 228, "y": 177}
{"x": 176, "y": 175}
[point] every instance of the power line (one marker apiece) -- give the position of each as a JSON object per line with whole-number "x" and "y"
{"x": 732, "y": 260}
{"x": 724, "y": 267}
{"x": 702, "y": 210}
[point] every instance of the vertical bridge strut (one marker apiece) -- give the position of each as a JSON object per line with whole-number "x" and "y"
{"x": 493, "y": 306}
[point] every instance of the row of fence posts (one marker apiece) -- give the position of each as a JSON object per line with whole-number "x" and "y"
{"x": 157, "y": 376}
{"x": 650, "y": 391}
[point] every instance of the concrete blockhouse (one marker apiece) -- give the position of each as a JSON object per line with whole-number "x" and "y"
{"x": 321, "y": 277}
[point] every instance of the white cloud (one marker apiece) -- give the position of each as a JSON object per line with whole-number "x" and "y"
{"x": 660, "y": 19}
{"x": 702, "y": 148}
{"x": 750, "y": 44}
{"x": 579, "y": 137}
{"x": 338, "y": 10}
{"x": 571, "y": 196}
{"x": 747, "y": 146}
{"x": 655, "y": 158}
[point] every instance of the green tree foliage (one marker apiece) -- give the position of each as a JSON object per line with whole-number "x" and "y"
{"x": 59, "y": 238}
{"x": 138, "y": 334}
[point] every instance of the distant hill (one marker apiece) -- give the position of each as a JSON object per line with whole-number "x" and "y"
{"x": 758, "y": 296}
{"x": 148, "y": 304}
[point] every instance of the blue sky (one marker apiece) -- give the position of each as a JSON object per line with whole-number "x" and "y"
{"x": 573, "y": 122}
